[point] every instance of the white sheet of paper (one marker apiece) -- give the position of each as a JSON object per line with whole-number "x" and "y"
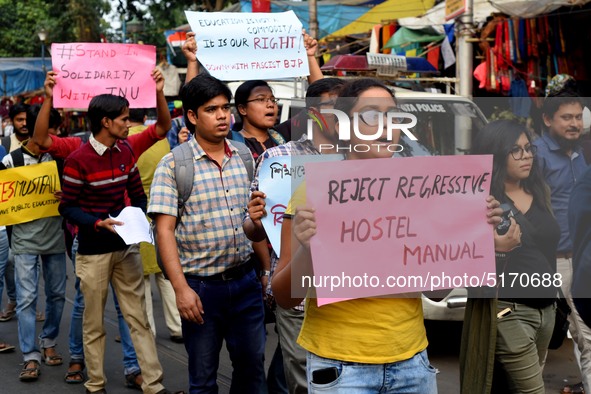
{"x": 135, "y": 228}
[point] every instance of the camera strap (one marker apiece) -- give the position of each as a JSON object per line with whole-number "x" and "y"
{"x": 526, "y": 227}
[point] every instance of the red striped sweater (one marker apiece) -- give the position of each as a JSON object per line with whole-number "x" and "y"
{"x": 94, "y": 187}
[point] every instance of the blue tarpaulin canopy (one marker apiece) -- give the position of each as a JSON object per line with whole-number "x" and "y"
{"x": 332, "y": 15}
{"x": 19, "y": 75}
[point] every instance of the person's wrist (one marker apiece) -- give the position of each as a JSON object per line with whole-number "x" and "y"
{"x": 265, "y": 273}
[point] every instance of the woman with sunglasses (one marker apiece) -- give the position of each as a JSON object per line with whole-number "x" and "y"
{"x": 519, "y": 314}
{"x": 362, "y": 345}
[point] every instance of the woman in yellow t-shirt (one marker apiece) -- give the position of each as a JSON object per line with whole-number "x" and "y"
{"x": 365, "y": 345}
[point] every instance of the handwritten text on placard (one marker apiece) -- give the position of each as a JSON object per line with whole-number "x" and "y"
{"x": 401, "y": 217}
{"x": 86, "y": 70}
{"x": 26, "y": 193}
{"x": 278, "y": 178}
{"x": 241, "y": 46}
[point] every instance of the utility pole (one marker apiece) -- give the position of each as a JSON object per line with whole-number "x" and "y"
{"x": 464, "y": 71}
{"x": 313, "y": 16}
{"x": 465, "y": 66}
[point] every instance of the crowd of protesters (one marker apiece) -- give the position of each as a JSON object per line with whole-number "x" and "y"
{"x": 220, "y": 279}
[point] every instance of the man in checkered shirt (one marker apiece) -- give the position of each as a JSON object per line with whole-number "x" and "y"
{"x": 207, "y": 256}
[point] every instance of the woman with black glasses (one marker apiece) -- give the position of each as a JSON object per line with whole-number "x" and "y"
{"x": 510, "y": 332}
{"x": 258, "y": 108}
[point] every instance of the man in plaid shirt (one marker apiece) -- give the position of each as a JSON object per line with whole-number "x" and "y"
{"x": 207, "y": 256}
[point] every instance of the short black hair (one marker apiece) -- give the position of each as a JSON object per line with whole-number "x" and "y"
{"x": 32, "y": 114}
{"x": 105, "y": 105}
{"x": 55, "y": 119}
{"x": 198, "y": 91}
{"x": 244, "y": 90}
{"x": 137, "y": 115}
{"x": 552, "y": 103}
{"x": 321, "y": 86}
{"x": 17, "y": 109}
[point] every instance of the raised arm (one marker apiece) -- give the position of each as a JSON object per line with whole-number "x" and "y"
{"x": 190, "y": 52}
{"x": 41, "y": 133}
{"x": 163, "y": 121}
{"x": 252, "y": 225}
{"x": 311, "y": 46}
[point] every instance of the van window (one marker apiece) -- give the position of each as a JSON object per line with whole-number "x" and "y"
{"x": 440, "y": 122}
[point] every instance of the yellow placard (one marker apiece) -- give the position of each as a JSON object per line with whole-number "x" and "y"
{"x": 27, "y": 193}
{"x": 454, "y": 8}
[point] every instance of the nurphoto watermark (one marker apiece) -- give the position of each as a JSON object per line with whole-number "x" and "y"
{"x": 366, "y": 132}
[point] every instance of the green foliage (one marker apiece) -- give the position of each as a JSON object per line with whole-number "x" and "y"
{"x": 19, "y": 24}
{"x": 83, "y": 20}
{"x": 65, "y": 21}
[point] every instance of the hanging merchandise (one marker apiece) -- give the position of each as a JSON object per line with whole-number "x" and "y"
{"x": 374, "y": 41}
{"x": 519, "y": 101}
{"x": 532, "y": 50}
{"x": 433, "y": 56}
{"x": 387, "y": 33}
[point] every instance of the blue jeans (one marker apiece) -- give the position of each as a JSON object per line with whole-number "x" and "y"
{"x": 27, "y": 281}
{"x": 234, "y": 312}
{"x": 76, "y": 342}
{"x": 3, "y": 261}
{"x": 9, "y": 277}
{"x": 414, "y": 375}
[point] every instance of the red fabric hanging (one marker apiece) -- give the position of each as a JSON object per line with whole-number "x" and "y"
{"x": 387, "y": 33}
{"x": 433, "y": 57}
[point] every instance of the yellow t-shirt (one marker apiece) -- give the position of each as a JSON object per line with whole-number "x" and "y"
{"x": 365, "y": 330}
{"x": 146, "y": 165}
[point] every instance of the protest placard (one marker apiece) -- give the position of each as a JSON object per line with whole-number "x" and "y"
{"x": 86, "y": 70}
{"x": 278, "y": 177}
{"x": 390, "y": 226}
{"x": 238, "y": 46}
{"x": 26, "y": 193}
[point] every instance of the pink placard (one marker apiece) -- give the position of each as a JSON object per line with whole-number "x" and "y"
{"x": 391, "y": 226}
{"x": 86, "y": 70}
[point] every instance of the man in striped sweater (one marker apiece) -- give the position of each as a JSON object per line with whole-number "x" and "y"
{"x": 96, "y": 178}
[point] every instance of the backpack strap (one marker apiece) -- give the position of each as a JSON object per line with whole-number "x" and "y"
{"x": 246, "y": 157}
{"x": 18, "y": 158}
{"x": 236, "y": 136}
{"x": 6, "y": 143}
{"x": 183, "y": 173}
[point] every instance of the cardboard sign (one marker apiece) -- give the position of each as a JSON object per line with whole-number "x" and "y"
{"x": 454, "y": 8}
{"x": 390, "y": 226}
{"x": 278, "y": 178}
{"x": 26, "y": 193}
{"x": 86, "y": 70}
{"x": 239, "y": 46}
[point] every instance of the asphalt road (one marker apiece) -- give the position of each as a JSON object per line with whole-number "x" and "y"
{"x": 443, "y": 351}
